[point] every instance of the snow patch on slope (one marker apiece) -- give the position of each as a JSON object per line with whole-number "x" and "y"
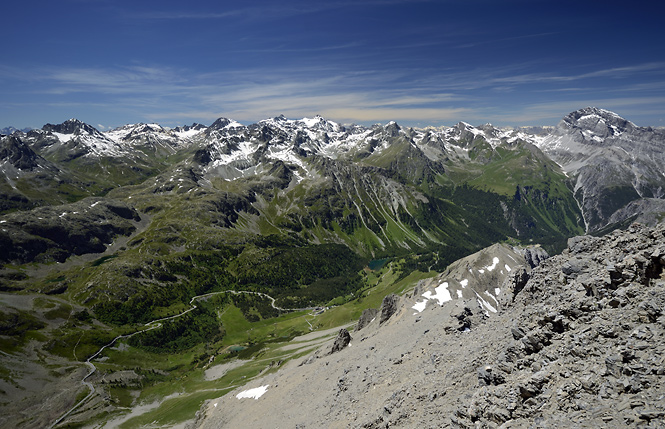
{"x": 441, "y": 294}
{"x": 255, "y": 393}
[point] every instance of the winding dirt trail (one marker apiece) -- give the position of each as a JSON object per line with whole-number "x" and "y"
{"x": 155, "y": 324}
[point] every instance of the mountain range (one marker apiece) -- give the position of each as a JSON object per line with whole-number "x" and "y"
{"x": 103, "y": 232}
{"x": 375, "y": 189}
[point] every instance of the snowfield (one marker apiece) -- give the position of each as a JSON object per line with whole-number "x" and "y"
{"x": 255, "y": 393}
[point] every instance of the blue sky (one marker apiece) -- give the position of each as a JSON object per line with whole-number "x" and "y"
{"x": 507, "y": 62}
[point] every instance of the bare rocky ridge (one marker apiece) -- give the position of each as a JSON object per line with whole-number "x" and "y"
{"x": 579, "y": 344}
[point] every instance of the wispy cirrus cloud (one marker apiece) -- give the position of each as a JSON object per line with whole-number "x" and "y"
{"x": 656, "y": 68}
{"x": 171, "y": 95}
{"x": 499, "y": 40}
{"x": 268, "y": 10}
{"x": 176, "y": 15}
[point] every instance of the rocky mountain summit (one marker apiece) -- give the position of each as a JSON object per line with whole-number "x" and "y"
{"x": 610, "y": 160}
{"x": 577, "y": 342}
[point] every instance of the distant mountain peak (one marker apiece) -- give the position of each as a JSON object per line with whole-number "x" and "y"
{"x": 392, "y": 128}
{"x": 71, "y": 126}
{"x": 194, "y": 126}
{"x": 222, "y": 123}
{"x": 11, "y": 130}
{"x": 594, "y": 118}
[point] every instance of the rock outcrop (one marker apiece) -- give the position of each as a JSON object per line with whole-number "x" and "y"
{"x": 343, "y": 339}
{"x": 388, "y": 307}
{"x": 367, "y": 316}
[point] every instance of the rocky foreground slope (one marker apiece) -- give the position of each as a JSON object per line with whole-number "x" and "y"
{"x": 575, "y": 342}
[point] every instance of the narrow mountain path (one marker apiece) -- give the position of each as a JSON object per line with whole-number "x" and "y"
{"x": 155, "y": 324}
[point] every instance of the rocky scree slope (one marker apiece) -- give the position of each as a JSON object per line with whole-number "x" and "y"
{"x": 577, "y": 343}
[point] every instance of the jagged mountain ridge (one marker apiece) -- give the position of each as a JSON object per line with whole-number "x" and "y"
{"x": 585, "y": 141}
{"x": 79, "y": 161}
{"x": 11, "y": 130}
{"x": 316, "y": 150}
{"x": 577, "y": 342}
{"x": 392, "y": 170}
{"x": 371, "y": 188}
{"x": 628, "y": 157}
{"x": 74, "y": 138}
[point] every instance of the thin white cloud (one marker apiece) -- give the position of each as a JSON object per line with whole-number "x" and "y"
{"x": 407, "y": 95}
{"x": 378, "y": 114}
{"x": 492, "y": 40}
{"x": 616, "y": 72}
{"x": 176, "y": 15}
{"x": 296, "y": 49}
{"x": 268, "y": 10}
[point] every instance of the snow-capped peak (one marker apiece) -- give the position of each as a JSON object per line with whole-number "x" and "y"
{"x": 72, "y": 126}
{"x": 591, "y": 117}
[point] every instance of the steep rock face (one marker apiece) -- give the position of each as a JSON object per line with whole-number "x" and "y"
{"x": 388, "y": 307}
{"x": 17, "y": 153}
{"x": 648, "y": 211}
{"x": 580, "y": 345}
{"x": 368, "y": 315}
